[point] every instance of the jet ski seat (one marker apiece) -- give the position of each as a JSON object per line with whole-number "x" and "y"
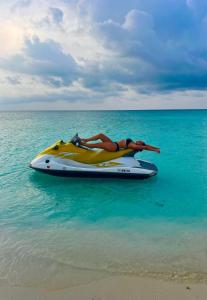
{"x": 84, "y": 155}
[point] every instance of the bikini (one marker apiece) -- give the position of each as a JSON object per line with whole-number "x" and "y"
{"x": 128, "y": 141}
{"x": 117, "y": 146}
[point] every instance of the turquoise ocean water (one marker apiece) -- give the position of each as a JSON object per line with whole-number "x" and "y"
{"x": 58, "y": 232}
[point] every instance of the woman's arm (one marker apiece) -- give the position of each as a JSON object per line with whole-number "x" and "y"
{"x": 143, "y": 147}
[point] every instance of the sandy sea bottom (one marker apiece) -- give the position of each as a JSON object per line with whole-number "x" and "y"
{"x": 61, "y": 257}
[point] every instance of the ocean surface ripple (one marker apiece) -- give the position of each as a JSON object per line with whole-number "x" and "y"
{"x": 58, "y": 232}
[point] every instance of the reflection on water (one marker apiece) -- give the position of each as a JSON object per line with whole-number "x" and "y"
{"x": 92, "y": 199}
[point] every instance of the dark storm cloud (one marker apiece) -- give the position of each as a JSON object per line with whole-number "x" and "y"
{"x": 44, "y": 59}
{"x": 155, "y": 46}
{"x": 164, "y": 42}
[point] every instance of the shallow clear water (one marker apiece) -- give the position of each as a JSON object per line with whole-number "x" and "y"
{"x": 58, "y": 232}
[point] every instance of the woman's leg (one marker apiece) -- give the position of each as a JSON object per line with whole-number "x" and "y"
{"x": 108, "y": 146}
{"x": 99, "y": 136}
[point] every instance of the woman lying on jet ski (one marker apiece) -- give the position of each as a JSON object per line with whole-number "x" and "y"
{"x": 108, "y": 145}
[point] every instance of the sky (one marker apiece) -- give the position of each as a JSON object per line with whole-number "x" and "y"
{"x": 103, "y": 54}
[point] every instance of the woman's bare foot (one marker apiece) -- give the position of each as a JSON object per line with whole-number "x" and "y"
{"x": 84, "y": 140}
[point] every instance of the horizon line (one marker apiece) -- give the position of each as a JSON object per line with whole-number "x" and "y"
{"x": 71, "y": 110}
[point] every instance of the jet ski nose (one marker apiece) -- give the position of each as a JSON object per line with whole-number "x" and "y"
{"x": 34, "y": 163}
{"x": 31, "y": 164}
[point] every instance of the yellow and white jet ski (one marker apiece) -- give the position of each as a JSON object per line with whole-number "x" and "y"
{"x": 72, "y": 160}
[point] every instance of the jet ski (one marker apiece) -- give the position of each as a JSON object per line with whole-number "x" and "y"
{"x": 70, "y": 159}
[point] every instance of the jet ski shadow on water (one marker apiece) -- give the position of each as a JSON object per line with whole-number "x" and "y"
{"x": 70, "y": 159}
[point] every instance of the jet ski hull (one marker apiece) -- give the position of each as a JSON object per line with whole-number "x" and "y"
{"x": 60, "y": 167}
{"x": 94, "y": 174}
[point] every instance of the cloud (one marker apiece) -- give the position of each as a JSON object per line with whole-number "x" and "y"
{"x": 13, "y": 80}
{"x": 81, "y": 100}
{"x": 65, "y": 97}
{"x": 170, "y": 63}
{"x": 46, "y": 60}
{"x": 56, "y": 15}
{"x": 198, "y": 7}
{"x": 19, "y": 4}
